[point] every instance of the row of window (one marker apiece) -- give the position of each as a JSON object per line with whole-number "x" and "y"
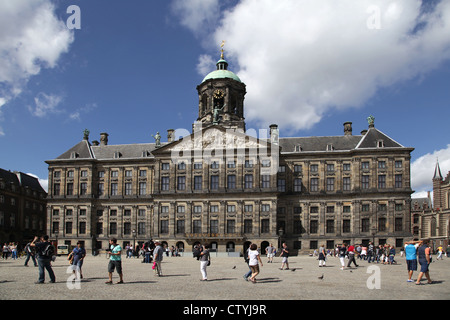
{"x": 381, "y": 207}
{"x": 230, "y": 226}
{"x": 330, "y": 167}
{"x": 100, "y": 174}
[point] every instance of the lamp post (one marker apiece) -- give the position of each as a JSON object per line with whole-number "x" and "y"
{"x": 134, "y": 240}
{"x": 374, "y": 232}
{"x": 280, "y": 234}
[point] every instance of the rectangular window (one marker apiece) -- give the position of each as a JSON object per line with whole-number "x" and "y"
{"x": 231, "y": 164}
{"x": 298, "y": 185}
{"x": 265, "y": 226}
{"x": 180, "y": 227}
{"x": 346, "y": 226}
{"x": 248, "y": 226}
{"x": 141, "y": 228}
{"x": 56, "y": 189}
{"x": 215, "y": 165}
{"x": 346, "y": 184}
{"x": 330, "y": 226}
{"x": 231, "y": 208}
{"x": 265, "y": 207}
{"x": 164, "y": 209}
{"x": 314, "y": 168}
{"x": 142, "y": 188}
{"x": 398, "y": 207}
{"x": 381, "y": 164}
{"x": 127, "y": 228}
{"x": 114, "y": 189}
{"x": 314, "y": 184}
{"x": 70, "y": 189}
{"x": 68, "y": 227}
{"x": 83, "y": 188}
{"x": 214, "y": 182}
{"x": 398, "y": 181}
{"x": 313, "y": 226}
{"x": 298, "y": 227}
{"x": 113, "y": 228}
{"x": 198, "y": 180}
{"x": 197, "y": 209}
{"x": 314, "y": 209}
{"x": 101, "y": 189}
{"x": 248, "y": 164}
{"x": 128, "y": 173}
{"x": 365, "y": 182}
{"x": 330, "y": 167}
{"x": 398, "y": 224}
{"x": 231, "y": 181}
{"x": 165, "y": 183}
{"x": 164, "y": 226}
{"x": 231, "y": 224}
{"x": 298, "y": 168}
{"x": 182, "y": 166}
{"x": 214, "y": 226}
{"x": 165, "y": 166}
{"x": 214, "y": 208}
{"x": 128, "y": 191}
{"x": 346, "y": 209}
{"x": 198, "y": 165}
{"x": 346, "y": 167}
{"x": 265, "y": 181}
{"x": 381, "y": 181}
{"x": 330, "y": 184}
{"x": 281, "y": 186}
{"x": 197, "y": 226}
{"x": 181, "y": 182}
{"x": 248, "y": 181}
{"x": 114, "y": 174}
{"x": 127, "y": 212}
{"x": 181, "y": 209}
{"x": 142, "y": 173}
{"x": 398, "y": 164}
{"x": 365, "y": 165}
{"x": 141, "y": 213}
{"x": 113, "y": 213}
{"x": 248, "y": 208}
{"x": 381, "y": 224}
{"x": 365, "y": 225}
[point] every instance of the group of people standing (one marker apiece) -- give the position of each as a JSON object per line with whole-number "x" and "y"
{"x": 9, "y": 249}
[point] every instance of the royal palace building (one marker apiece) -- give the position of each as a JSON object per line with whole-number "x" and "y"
{"x": 223, "y": 185}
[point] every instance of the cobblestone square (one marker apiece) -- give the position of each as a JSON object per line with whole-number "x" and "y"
{"x": 181, "y": 281}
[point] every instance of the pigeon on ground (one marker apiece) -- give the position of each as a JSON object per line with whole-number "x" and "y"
{"x": 321, "y": 277}
{"x": 234, "y": 267}
{"x": 293, "y": 270}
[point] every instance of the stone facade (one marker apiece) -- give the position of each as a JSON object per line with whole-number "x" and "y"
{"x": 225, "y": 187}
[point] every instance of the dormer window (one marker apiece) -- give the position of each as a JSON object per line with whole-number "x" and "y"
{"x": 380, "y": 144}
{"x": 73, "y": 155}
{"x": 330, "y": 147}
{"x": 117, "y": 155}
{"x": 298, "y": 148}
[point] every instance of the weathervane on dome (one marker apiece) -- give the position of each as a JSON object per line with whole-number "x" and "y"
{"x": 221, "y": 51}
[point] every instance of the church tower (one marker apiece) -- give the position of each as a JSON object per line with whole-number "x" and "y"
{"x": 438, "y": 200}
{"x": 221, "y": 98}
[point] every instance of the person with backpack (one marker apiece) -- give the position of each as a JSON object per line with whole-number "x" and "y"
{"x": 45, "y": 251}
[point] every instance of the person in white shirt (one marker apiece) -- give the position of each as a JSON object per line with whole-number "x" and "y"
{"x": 254, "y": 261}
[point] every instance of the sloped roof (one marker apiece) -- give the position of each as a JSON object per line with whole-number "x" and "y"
{"x": 126, "y": 151}
{"x": 81, "y": 150}
{"x": 314, "y": 144}
{"x": 374, "y": 135}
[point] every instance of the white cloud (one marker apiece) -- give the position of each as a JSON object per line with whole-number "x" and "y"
{"x": 76, "y": 115}
{"x": 422, "y": 170}
{"x": 205, "y": 64}
{"x": 45, "y": 104}
{"x": 199, "y": 16}
{"x": 31, "y": 38}
{"x": 305, "y": 58}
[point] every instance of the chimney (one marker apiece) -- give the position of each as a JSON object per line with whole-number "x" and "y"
{"x": 274, "y": 134}
{"x": 95, "y": 143}
{"x": 171, "y": 135}
{"x": 104, "y": 139}
{"x": 347, "y": 128}
{"x": 363, "y": 132}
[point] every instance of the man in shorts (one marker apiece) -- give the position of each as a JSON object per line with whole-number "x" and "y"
{"x": 411, "y": 258}
{"x": 284, "y": 254}
{"x": 269, "y": 251}
{"x": 115, "y": 261}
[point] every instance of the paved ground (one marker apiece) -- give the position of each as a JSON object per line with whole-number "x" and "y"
{"x": 181, "y": 281}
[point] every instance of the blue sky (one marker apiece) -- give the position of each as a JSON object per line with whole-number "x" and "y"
{"x": 133, "y": 66}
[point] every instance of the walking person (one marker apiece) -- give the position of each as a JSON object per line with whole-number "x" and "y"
{"x": 158, "y": 254}
{"x": 351, "y": 256}
{"x": 284, "y": 254}
{"x": 322, "y": 256}
{"x": 424, "y": 256}
{"x": 411, "y": 258}
{"x": 78, "y": 255}
{"x": 440, "y": 252}
{"x": 249, "y": 272}
{"x": 254, "y": 261}
{"x": 30, "y": 254}
{"x": 342, "y": 252}
{"x": 45, "y": 251}
{"x": 370, "y": 253}
{"x": 115, "y": 261}
{"x": 205, "y": 261}
{"x": 269, "y": 252}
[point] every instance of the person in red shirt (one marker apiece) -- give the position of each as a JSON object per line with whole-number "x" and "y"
{"x": 351, "y": 256}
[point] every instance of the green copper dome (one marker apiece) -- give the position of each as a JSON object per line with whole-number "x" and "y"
{"x": 221, "y": 72}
